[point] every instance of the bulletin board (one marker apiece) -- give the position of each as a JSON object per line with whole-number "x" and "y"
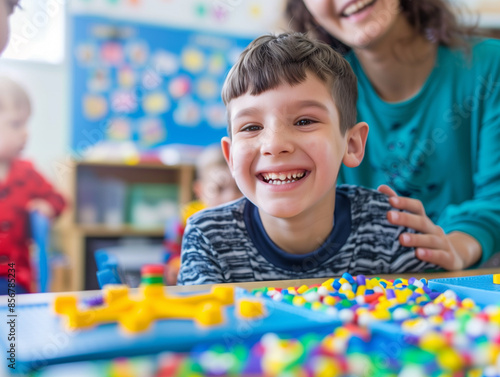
{"x": 149, "y": 84}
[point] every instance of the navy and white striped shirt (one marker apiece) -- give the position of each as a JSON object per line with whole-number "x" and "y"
{"x": 229, "y": 244}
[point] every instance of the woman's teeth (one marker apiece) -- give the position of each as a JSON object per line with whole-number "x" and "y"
{"x": 356, "y": 7}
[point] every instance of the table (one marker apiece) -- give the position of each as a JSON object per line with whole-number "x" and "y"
{"x": 299, "y": 282}
{"x": 49, "y": 297}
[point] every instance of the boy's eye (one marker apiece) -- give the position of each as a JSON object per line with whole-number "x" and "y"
{"x": 251, "y": 127}
{"x": 304, "y": 122}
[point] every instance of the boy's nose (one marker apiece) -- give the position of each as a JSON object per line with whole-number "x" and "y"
{"x": 276, "y": 143}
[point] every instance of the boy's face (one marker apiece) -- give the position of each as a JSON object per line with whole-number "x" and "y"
{"x": 13, "y": 129}
{"x": 286, "y": 147}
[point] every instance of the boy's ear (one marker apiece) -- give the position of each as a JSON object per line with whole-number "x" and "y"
{"x": 356, "y": 141}
{"x": 226, "y": 151}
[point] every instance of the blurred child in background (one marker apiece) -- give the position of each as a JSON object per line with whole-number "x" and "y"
{"x": 214, "y": 185}
{"x": 22, "y": 189}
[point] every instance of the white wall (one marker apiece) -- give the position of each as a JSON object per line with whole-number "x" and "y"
{"x": 49, "y": 126}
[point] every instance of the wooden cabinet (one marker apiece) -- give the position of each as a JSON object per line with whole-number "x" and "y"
{"x": 74, "y": 236}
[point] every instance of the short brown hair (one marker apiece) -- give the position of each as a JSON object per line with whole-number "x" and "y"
{"x": 272, "y": 60}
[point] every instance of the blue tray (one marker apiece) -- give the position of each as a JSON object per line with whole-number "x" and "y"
{"x": 43, "y": 340}
{"x": 479, "y": 288}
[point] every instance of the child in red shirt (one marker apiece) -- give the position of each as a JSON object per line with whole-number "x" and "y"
{"x": 22, "y": 188}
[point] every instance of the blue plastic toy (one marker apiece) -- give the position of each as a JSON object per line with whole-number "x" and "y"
{"x": 40, "y": 232}
{"x": 107, "y": 268}
{"x": 122, "y": 264}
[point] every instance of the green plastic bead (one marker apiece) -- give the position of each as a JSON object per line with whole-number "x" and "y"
{"x": 152, "y": 280}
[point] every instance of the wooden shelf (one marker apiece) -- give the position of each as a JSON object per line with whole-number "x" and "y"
{"x": 141, "y": 165}
{"x": 75, "y": 236}
{"x": 100, "y": 230}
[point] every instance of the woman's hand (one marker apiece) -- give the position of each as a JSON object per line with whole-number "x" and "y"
{"x": 454, "y": 251}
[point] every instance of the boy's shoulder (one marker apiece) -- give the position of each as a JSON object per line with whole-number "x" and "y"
{"x": 229, "y": 211}
{"x": 360, "y": 196}
{"x": 367, "y": 206}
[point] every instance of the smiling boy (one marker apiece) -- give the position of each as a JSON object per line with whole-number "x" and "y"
{"x": 291, "y": 105}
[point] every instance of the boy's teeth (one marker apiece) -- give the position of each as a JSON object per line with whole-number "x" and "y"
{"x": 282, "y": 178}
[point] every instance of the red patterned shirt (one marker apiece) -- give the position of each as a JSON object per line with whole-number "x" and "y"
{"x": 22, "y": 184}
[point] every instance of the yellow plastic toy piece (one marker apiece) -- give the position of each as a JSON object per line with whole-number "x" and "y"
{"x": 450, "y": 360}
{"x": 250, "y": 309}
{"x": 135, "y": 314}
{"x": 302, "y": 289}
{"x": 329, "y": 300}
{"x": 316, "y": 305}
{"x": 496, "y": 279}
{"x": 298, "y": 301}
{"x": 433, "y": 342}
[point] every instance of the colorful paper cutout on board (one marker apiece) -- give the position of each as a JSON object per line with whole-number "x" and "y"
{"x": 179, "y": 87}
{"x": 219, "y": 13}
{"x": 193, "y": 60}
{"x": 99, "y": 80}
{"x": 94, "y": 106}
{"x": 165, "y": 63}
{"x": 126, "y": 77}
{"x": 255, "y": 11}
{"x": 155, "y": 103}
{"x": 119, "y": 129}
{"x": 216, "y": 64}
{"x": 151, "y": 80}
{"x": 123, "y": 101}
{"x": 201, "y": 10}
{"x": 112, "y": 53}
{"x": 151, "y": 132}
{"x": 207, "y": 88}
{"x": 137, "y": 53}
{"x": 187, "y": 113}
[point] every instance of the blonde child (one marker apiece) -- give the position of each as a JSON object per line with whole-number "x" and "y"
{"x": 213, "y": 186}
{"x": 22, "y": 189}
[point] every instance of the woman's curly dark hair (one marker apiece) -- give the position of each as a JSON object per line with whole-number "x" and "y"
{"x": 433, "y": 19}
